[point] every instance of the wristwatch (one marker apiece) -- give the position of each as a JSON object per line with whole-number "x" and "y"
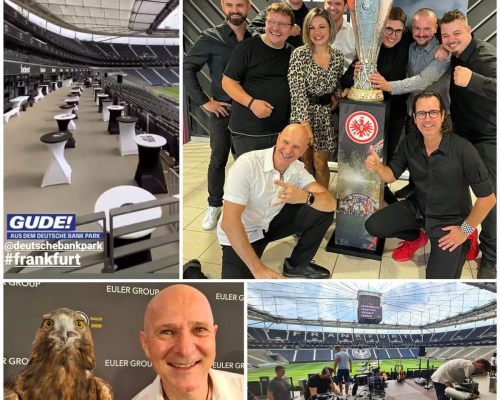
{"x": 310, "y": 198}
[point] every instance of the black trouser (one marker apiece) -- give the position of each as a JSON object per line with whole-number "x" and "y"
{"x": 440, "y": 388}
{"x": 400, "y": 220}
{"x": 488, "y": 235}
{"x": 293, "y": 218}
{"x": 393, "y": 134}
{"x": 243, "y": 144}
{"x": 220, "y": 145}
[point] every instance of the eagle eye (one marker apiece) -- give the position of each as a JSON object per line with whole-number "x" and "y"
{"x": 47, "y": 323}
{"x": 79, "y": 324}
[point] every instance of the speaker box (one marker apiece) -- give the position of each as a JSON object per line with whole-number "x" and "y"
{"x": 421, "y": 351}
{"x": 119, "y": 78}
{"x": 255, "y": 388}
{"x": 264, "y": 382}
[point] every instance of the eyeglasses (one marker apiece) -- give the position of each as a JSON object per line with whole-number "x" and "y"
{"x": 389, "y": 31}
{"x": 272, "y": 22}
{"x": 431, "y": 113}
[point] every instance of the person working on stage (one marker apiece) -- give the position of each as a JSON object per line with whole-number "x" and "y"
{"x": 343, "y": 362}
{"x": 446, "y": 375}
{"x": 443, "y": 166}
{"x": 322, "y": 383}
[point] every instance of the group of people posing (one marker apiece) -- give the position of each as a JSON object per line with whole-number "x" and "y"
{"x": 276, "y": 84}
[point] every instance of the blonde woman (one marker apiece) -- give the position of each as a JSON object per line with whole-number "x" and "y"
{"x": 313, "y": 77}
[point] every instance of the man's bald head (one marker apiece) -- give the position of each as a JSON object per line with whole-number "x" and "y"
{"x": 176, "y": 296}
{"x": 179, "y": 340}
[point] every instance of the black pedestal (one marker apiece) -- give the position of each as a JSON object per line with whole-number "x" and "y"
{"x": 149, "y": 174}
{"x": 113, "y": 127}
{"x": 360, "y": 192}
{"x": 132, "y": 259}
{"x": 62, "y": 125}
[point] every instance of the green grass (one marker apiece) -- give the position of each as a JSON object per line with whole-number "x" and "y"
{"x": 301, "y": 371}
{"x": 168, "y": 91}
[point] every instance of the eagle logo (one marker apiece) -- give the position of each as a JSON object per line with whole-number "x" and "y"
{"x": 361, "y": 127}
{"x": 361, "y": 354}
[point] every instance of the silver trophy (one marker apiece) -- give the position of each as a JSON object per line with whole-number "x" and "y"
{"x": 368, "y": 22}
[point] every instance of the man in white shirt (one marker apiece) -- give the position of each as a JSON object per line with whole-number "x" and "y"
{"x": 344, "y": 40}
{"x": 455, "y": 371}
{"x": 269, "y": 195}
{"x": 179, "y": 340}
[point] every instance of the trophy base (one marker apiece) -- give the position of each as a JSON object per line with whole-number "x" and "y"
{"x": 366, "y": 95}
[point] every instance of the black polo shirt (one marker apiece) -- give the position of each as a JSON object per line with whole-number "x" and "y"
{"x": 213, "y": 47}
{"x": 474, "y": 108}
{"x": 442, "y": 180}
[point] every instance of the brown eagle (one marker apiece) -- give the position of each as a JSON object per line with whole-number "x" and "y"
{"x": 61, "y": 364}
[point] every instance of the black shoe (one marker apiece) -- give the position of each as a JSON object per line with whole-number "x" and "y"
{"x": 310, "y": 271}
{"x": 487, "y": 269}
{"x": 192, "y": 270}
{"x": 389, "y": 197}
{"x": 405, "y": 192}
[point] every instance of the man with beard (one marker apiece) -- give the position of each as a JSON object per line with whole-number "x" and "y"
{"x": 473, "y": 111}
{"x": 256, "y": 80}
{"x": 213, "y": 48}
{"x": 258, "y": 24}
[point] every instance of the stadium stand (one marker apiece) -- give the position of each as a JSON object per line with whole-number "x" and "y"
{"x": 472, "y": 336}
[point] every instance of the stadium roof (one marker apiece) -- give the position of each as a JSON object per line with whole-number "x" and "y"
{"x": 405, "y": 305}
{"x": 109, "y": 17}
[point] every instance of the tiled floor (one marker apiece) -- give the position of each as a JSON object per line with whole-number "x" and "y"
{"x": 203, "y": 245}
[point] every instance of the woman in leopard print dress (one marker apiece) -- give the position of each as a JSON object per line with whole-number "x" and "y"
{"x": 313, "y": 77}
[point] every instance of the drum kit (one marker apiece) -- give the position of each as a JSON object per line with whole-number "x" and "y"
{"x": 368, "y": 385}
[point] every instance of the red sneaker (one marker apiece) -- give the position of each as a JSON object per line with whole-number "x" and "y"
{"x": 407, "y": 250}
{"x": 474, "y": 246}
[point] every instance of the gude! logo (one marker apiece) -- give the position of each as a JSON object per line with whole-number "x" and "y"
{"x": 361, "y": 127}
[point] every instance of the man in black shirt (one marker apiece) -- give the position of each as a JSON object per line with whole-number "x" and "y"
{"x": 256, "y": 80}
{"x": 473, "y": 111}
{"x": 258, "y": 24}
{"x": 442, "y": 166}
{"x": 213, "y": 48}
{"x": 322, "y": 383}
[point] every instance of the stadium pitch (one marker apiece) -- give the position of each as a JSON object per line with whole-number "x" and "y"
{"x": 301, "y": 371}
{"x": 168, "y": 91}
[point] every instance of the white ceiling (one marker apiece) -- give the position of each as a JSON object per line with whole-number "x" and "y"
{"x": 106, "y": 17}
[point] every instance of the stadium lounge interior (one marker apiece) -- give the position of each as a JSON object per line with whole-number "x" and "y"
{"x": 394, "y": 351}
{"x": 203, "y": 245}
{"x": 57, "y": 58}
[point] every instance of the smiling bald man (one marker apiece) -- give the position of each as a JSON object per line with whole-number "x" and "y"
{"x": 179, "y": 340}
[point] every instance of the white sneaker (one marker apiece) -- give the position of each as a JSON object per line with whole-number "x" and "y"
{"x": 211, "y": 218}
